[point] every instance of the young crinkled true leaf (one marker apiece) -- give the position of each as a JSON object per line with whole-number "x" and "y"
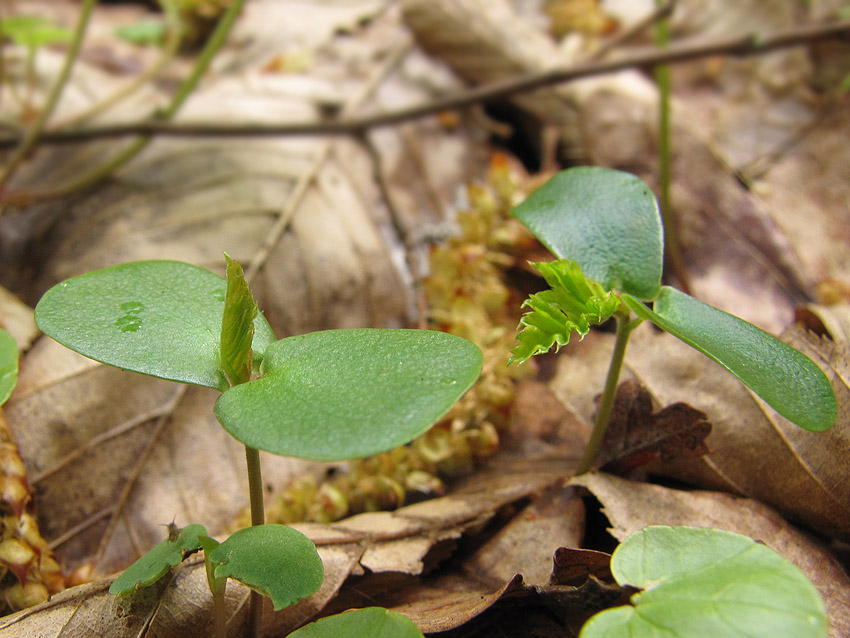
{"x": 573, "y": 304}
{"x": 781, "y": 375}
{"x": 371, "y": 622}
{"x": 8, "y": 365}
{"x": 237, "y": 325}
{"x": 276, "y": 560}
{"x": 153, "y": 565}
{"x": 708, "y": 582}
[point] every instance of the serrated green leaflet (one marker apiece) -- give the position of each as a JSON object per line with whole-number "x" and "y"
{"x": 607, "y": 221}
{"x": 708, "y": 582}
{"x": 371, "y": 622}
{"x": 573, "y": 304}
{"x": 784, "y": 377}
{"x": 153, "y": 565}
{"x": 276, "y": 560}
{"x": 237, "y": 325}
{"x": 344, "y": 394}
{"x": 8, "y": 365}
{"x": 161, "y": 318}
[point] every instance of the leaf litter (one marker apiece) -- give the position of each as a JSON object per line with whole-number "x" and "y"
{"x": 358, "y": 550}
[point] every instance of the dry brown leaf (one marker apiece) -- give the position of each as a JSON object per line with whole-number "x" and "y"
{"x": 631, "y": 506}
{"x": 833, "y": 321}
{"x": 527, "y": 544}
{"x": 87, "y": 432}
{"x": 376, "y": 543}
{"x": 754, "y": 452}
{"x": 575, "y": 566}
{"x": 635, "y": 435}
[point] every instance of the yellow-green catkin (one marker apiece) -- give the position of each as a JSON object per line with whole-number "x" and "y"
{"x": 467, "y": 295}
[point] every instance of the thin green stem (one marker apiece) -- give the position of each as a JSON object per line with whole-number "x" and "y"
{"x": 606, "y": 403}
{"x": 255, "y": 485}
{"x": 258, "y": 517}
{"x": 220, "y": 617}
{"x": 53, "y": 97}
{"x": 663, "y": 80}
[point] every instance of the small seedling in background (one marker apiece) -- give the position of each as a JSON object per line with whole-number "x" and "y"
{"x": 707, "y": 582}
{"x": 32, "y": 32}
{"x": 332, "y": 395}
{"x": 604, "y": 225}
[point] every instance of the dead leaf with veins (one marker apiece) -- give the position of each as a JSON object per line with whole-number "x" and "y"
{"x": 636, "y": 435}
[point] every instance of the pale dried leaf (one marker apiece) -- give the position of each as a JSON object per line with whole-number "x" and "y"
{"x": 631, "y": 506}
{"x": 181, "y": 605}
{"x": 527, "y": 544}
{"x": 83, "y": 428}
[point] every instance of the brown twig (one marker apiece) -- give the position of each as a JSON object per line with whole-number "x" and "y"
{"x": 684, "y": 52}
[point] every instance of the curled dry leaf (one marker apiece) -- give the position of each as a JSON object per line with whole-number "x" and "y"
{"x": 631, "y": 506}
{"x": 379, "y": 544}
{"x": 635, "y": 435}
{"x": 833, "y": 321}
{"x": 754, "y": 452}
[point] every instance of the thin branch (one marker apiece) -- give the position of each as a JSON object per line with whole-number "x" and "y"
{"x": 31, "y": 138}
{"x": 745, "y": 46}
{"x": 215, "y": 42}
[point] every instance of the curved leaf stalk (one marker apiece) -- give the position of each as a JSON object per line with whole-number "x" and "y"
{"x": 31, "y": 138}
{"x": 213, "y": 45}
{"x": 606, "y": 403}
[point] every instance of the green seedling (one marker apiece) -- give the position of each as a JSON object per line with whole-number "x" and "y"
{"x": 604, "y": 225}
{"x": 8, "y": 365}
{"x": 32, "y": 33}
{"x": 707, "y": 582}
{"x": 330, "y": 395}
{"x": 142, "y": 32}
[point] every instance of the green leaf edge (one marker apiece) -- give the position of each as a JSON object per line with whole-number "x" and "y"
{"x": 263, "y": 336}
{"x": 153, "y": 565}
{"x": 230, "y": 411}
{"x": 299, "y": 551}
{"x": 8, "y": 365}
{"x": 769, "y": 367}
{"x": 392, "y": 625}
